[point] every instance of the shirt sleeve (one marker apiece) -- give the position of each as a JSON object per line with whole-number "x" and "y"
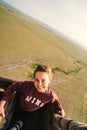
{"x": 56, "y": 101}
{"x": 10, "y": 90}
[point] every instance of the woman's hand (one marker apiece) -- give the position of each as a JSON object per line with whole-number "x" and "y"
{"x": 62, "y": 112}
{"x": 2, "y": 112}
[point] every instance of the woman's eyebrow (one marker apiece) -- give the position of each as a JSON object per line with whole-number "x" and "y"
{"x": 36, "y": 79}
{"x": 39, "y": 80}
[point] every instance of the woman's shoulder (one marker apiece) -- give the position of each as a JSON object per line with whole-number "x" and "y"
{"x": 25, "y": 82}
{"x": 25, "y": 85}
{"x": 53, "y": 93}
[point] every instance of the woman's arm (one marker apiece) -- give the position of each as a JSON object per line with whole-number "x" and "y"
{"x": 2, "y": 111}
{"x": 57, "y": 104}
{"x": 6, "y": 96}
{"x": 62, "y": 112}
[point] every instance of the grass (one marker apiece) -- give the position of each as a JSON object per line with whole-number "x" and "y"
{"x": 24, "y": 43}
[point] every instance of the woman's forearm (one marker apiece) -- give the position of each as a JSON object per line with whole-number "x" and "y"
{"x": 2, "y": 111}
{"x": 2, "y": 103}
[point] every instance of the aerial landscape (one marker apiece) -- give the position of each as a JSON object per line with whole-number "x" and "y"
{"x": 24, "y": 43}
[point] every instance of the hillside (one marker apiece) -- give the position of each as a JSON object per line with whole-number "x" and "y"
{"x": 24, "y": 43}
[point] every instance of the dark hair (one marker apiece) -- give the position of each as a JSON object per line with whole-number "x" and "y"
{"x": 43, "y": 68}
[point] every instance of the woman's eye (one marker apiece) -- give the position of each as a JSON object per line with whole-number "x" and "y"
{"x": 36, "y": 80}
{"x": 43, "y": 80}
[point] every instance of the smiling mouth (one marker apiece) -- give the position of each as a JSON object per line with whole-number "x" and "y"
{"x": 40, "y": 87}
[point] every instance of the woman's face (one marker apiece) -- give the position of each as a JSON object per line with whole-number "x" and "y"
{"x": 41, "y": 81}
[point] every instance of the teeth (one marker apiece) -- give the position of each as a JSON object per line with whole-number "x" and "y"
{"x": 40, "y": 87}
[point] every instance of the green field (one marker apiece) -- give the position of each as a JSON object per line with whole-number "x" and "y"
{"x": 24, "y": 43}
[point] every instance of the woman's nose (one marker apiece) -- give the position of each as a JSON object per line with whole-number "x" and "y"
{"x": 40, "y": 83}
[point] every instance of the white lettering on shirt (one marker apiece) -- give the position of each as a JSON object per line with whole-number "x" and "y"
{"x": 38, "y": 102}
{"x": 28, "y": 98}
{"x": 41, "y": 104}
{"x": 33, "y": 100}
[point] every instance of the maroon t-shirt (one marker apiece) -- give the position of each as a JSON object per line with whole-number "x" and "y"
{"x": 30, "y": 98}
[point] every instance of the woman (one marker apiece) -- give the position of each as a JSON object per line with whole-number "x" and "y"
{"x": 35, "y": 99}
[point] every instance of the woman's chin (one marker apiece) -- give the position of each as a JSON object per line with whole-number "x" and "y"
{"x": 41, "y": 91}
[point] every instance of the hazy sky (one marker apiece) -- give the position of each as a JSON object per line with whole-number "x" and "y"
{"x": 66, "y": 16}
